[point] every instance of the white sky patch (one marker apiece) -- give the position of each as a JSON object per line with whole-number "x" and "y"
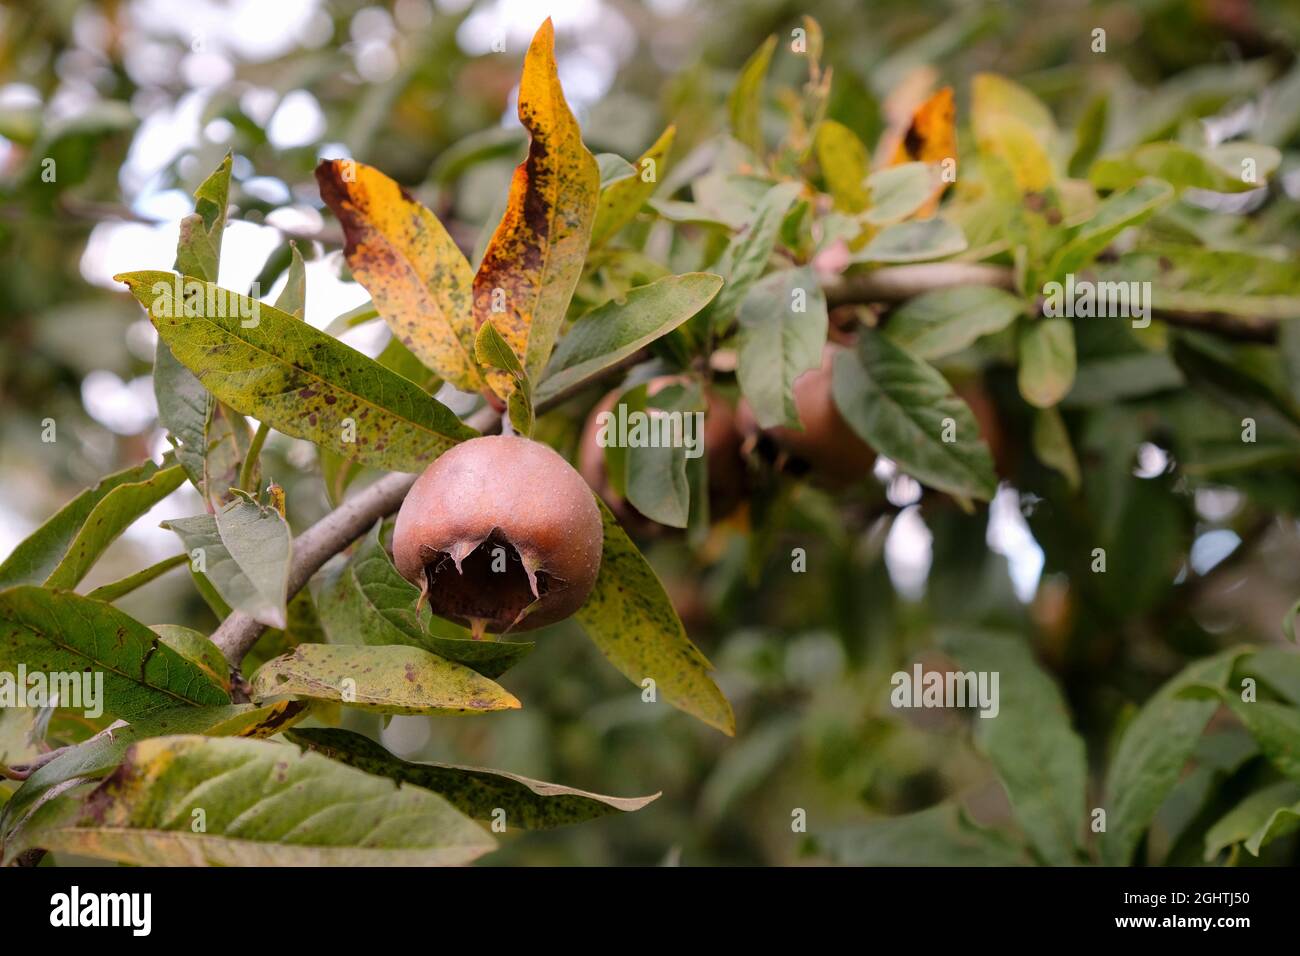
{"x": 908, "y": 553}
{"x": 115, "y": 247}
{"x": 1152, "y": 461}
{"x": 1211, "y": 548}
{"x": 1009, "y": 535}
{"x": 297, "y": 121}
{"x": 159, "y": 542}
{"x": 126, "y": 408}
{"x": 250, "y": 29}
{"x": 1217, "y": 504}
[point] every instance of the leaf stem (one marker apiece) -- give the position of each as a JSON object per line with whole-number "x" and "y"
{"x": 250, "y": 460}
{"x": 111, "y": 592}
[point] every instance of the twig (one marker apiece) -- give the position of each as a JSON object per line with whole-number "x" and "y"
{"x": 250, "y": 460}
{"x": 900, "y": 283}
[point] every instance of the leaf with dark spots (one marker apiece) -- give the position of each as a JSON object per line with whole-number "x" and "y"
{"x": 528, "y": 804}
{"x": 269, "y": 363}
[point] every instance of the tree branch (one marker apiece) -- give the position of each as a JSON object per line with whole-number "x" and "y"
{"x": 900, "y": 283}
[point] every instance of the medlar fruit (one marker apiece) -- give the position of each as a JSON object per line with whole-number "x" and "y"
{"x": 722, "y": 441}
{"x": 500, "y": 533}
{"x": 827, "y": 449}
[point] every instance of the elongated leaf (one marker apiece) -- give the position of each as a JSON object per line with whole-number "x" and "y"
{"x": 622, "y": 199}
{"x": 1151, "y": 755}
{"x": 477, "y": 793}
{"x": 1115, "y": 214}
{"x": 368, "y": 602}
{"x": 1233, "y": 167}
{"x": 905, "y": 409}
{"x": 939, "y": 323}
{"x": 913, "y": 241}
{"x": 745, "y": 105}
{"x": 95, "y": 757}
{"x": 844, "y": 163}
{"x": 245, "y": 552}
{"x": 746, "y": 258}
{"x": 299, "y": 380}
{"x": 619, "y": 328}
{"x": 783, "y": 324}
{"x": 58, "y": 631}
{"x": 198, "y": 251}
{"x": 939, "y": 836}
{"x": 654, "y": 475}
{"x": 1047, "y": 361}
{"x": 535, "y": 256}
{"x": 1260, "y": 817}
{"x": 391, "y": 680}
{"x": 198, "y": 650}
{"x": 899, "y": 191}
{"x": 111, "y": 592}
{"x": 1275, "y": 727}
{"x": 36, "y": 557}
{"x": 1013, "y": 125}
{"x": 1052, "y": 445}
{"x": 118, "y": 510}
{"x": 492, "y": 351}
{"x": 630, "y": 618}
{"x": 261, "y": 804}
{"x": 418, "y": 279}
{"x": 1038, "y": 755}
{"x": 293, "y": 297}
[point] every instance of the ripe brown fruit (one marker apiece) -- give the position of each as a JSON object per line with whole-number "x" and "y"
{"x": 502, "y": 534}
{"x": 722, "y": 441}
{"x": 827, "y": 449}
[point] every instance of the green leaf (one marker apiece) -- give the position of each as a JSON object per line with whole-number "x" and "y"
{"x": 209, "y": 440}
{"x": 621, "y": 199}
{"x": 945, "y": 321}
{"x": 245, "y": 551}
{"x": 1047, "y": 361}
{"x": 390, "y": 680}
{"x": 1219, "y": 169}
{"x": 112, "y": 515}
{"x": 654, "y": 475}
{"x": 1267, "y": 813}
{"x": 619, "y": 328}
{"x": 1115, "y": 214}
{"x": 939, "y": 836}
{"x": 262, "y": 804}
{"x": 61, "y": 631}
{"x": 899, "y": 191}
{"x": 111, "y": 592}
{"x": 783, "y": 324}
{"x": 631, "y": 620}
{"x": 298, "y": 380}
{"x": 913, "y": 241}
{"x": 1052, "y": 445}
{"x": 492, "y": 351}
{"x": 198, "y": 250}
{"x": 198, "y": 650}
{"x": 745, "y": 104}
{"x": 1150, "y": 757}
{"x": 368, "y": 602}
{"x": 100, "y": 754}
{"x": 1030, "y": 742}
{"x": 844, "y": 163}
{"x": 1013, "y": 125}
{"x": 1275, "y": 727}
{"x": 293, "y": 297}
{"x": 477, "y": 793}
{"x": 746, "y": 257}
{"x": 901, "y": 407}
{"x": 36, "y": 557}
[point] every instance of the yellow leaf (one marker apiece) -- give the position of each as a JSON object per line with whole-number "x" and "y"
{"x": 622, "y": 199}
{"x": 1014, "y": 125}
{"x": 844, "y": 163}
{"x": 535, "y": 257}
{"x": 419, "y": 280}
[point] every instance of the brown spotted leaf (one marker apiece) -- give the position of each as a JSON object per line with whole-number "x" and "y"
{"x": 478, "y": 793}
{"x": 535, "y": 257}
{"x": 300, "y": 381}
{"x": 630, "y": 618}
{"x": 417, "y": 278}
{"x": 261, "y": 804}
{"x": 394, "y": 679}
